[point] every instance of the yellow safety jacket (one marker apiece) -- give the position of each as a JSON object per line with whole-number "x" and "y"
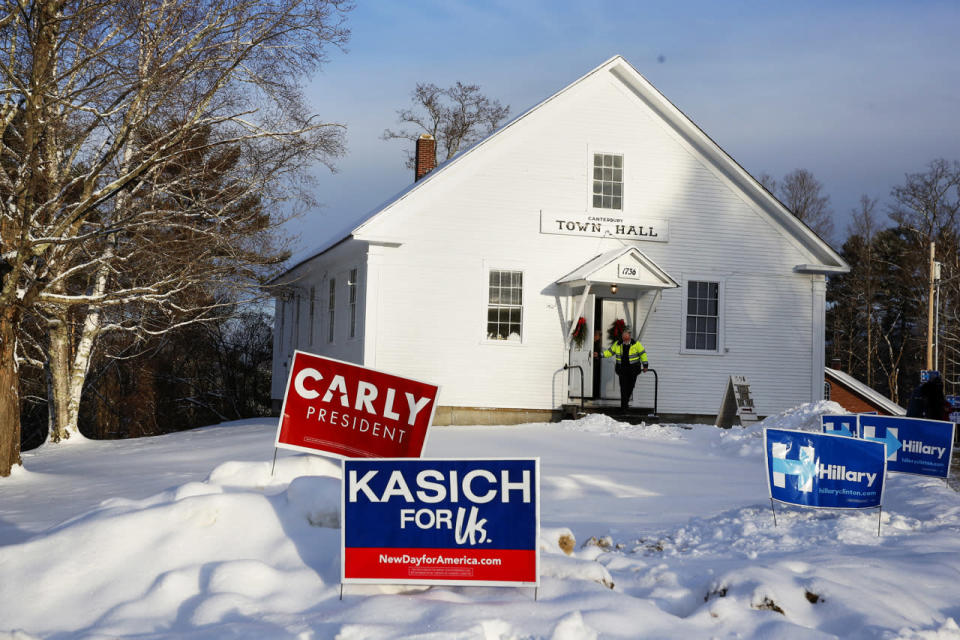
{"x": 635, "y": 354}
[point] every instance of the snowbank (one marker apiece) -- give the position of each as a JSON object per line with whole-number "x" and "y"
{"x": 236, "y": 544}
{"x": 805, "y": 417}
{"x": 647, "y": 531}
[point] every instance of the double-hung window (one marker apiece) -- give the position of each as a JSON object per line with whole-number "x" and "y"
{"x": 607, "y": 181}
{"x": 352, "y": 299}
{"x": 331, "y": 309}
{"x": 296, "y": 322}
{"x": 313, "y": 305}
{"x": 702, "y": 328}
{"x": 505, "y": 306}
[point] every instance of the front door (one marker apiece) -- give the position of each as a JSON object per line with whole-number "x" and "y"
{"x": 608, "y": 311}
{"x": 582, "y": 356}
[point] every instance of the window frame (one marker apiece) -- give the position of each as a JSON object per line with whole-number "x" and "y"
{"x": 288, "y": 339}
{"x": 721, "y": 314}
{"x": 331, "y": 310}
{"x": 312, "y": 313}
{"x": 590, "y": 179}
{"x": 282, "y": 313}
{"x": 501, "y": 266}
{"x": 296, "y": 321}
{"x": 353, "y": 296}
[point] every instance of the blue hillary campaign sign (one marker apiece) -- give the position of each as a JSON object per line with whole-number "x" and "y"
{"x": 822, "y": 470}
{"x": 433, "y": 521}
{"x": 839, "y": 425}
{"x": 914, "y": 445}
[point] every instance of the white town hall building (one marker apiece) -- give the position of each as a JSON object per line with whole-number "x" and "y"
{"x": 603, "y": 202}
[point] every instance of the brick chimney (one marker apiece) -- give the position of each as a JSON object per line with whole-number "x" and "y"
{"x": 426, "y": 159}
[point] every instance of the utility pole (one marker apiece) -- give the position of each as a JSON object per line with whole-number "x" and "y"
{"x": 937, "y": 267}
{"x": 930, "y": 362}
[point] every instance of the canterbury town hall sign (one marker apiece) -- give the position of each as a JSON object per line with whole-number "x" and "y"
{"x": 616, "y": 225}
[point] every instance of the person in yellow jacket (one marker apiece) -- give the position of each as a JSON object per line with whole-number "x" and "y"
{"x": 631, "y": 361}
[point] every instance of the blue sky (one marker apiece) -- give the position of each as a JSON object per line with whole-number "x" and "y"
{"x": 859, "y": 93}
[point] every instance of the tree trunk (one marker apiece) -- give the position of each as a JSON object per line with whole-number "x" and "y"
{"x": 58, "y": 399}
{"x": 68, "y": 372}
{"x": 70, "y": 363}
{"x": 9, "y": 394}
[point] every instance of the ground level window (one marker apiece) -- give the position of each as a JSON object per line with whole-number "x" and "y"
{"x": 703, "y": 315}
{"x": 505, "y": 306}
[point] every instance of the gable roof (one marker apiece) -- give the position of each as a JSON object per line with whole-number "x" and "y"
{"x": 825, "y": 259}
{"x": 868, "y": 393}
{"x": 653, "y": 276}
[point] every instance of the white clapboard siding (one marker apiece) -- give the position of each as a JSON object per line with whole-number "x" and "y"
{"x": 317, "y": 272}
{"x": 426, "y": 267}
{"x": 486, "y": 215}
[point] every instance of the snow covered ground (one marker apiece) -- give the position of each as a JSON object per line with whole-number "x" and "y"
{"x": 187, "y": 535}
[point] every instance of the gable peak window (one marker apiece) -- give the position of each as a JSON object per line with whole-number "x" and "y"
{"x": 607, "y": 181}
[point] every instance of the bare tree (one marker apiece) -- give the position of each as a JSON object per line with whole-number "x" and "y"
{"x": 865, "y": 226}
{"x": 456, "y": 117}
{"x": 202, "y": 277}
{"x": 101, "y": 107}
{"x": 891, "y": 366}
{"x": 929, "y": 202}
{"x": 927, "y": 205}
{"x": 768, "y": 182}
{"x": 803, "y": 195}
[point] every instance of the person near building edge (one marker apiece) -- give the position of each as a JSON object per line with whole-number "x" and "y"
{"x": 631, "y": 361}
{"x": 928, "y": 401}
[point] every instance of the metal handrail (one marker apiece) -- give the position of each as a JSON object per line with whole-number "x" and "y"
{"x": 656, "y": 388}
{"x": 656, "y": 385}
{"x": 580, "y": 369}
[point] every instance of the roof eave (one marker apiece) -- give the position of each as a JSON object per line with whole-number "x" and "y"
{"x": 822, "y": 269}
{"x": 432, "y": 175}
{"x": 688, "y": 129}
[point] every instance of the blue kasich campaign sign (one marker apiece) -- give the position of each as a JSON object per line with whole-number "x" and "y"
{"x": 821, "y": 470}
{"x": 432, "y": 521}
{"x": 914, "y": 445}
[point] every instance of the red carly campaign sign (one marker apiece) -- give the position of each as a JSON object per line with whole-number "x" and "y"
{"x": 351, "y": 411}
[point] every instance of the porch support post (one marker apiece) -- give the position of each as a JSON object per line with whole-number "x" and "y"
{"x": 580, "y": 306}
{"x": 646, "y": 316}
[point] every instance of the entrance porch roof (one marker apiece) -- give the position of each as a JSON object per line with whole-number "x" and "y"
{"x": 625, "y": 266}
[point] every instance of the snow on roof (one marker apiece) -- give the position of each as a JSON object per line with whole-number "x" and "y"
{"x": 870, "y": 394}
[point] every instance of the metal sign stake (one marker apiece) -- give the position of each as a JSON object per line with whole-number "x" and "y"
{"x": 879, "y": 517}
{"x": 275, "y": 452}
{"x": 774, "y": 512}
